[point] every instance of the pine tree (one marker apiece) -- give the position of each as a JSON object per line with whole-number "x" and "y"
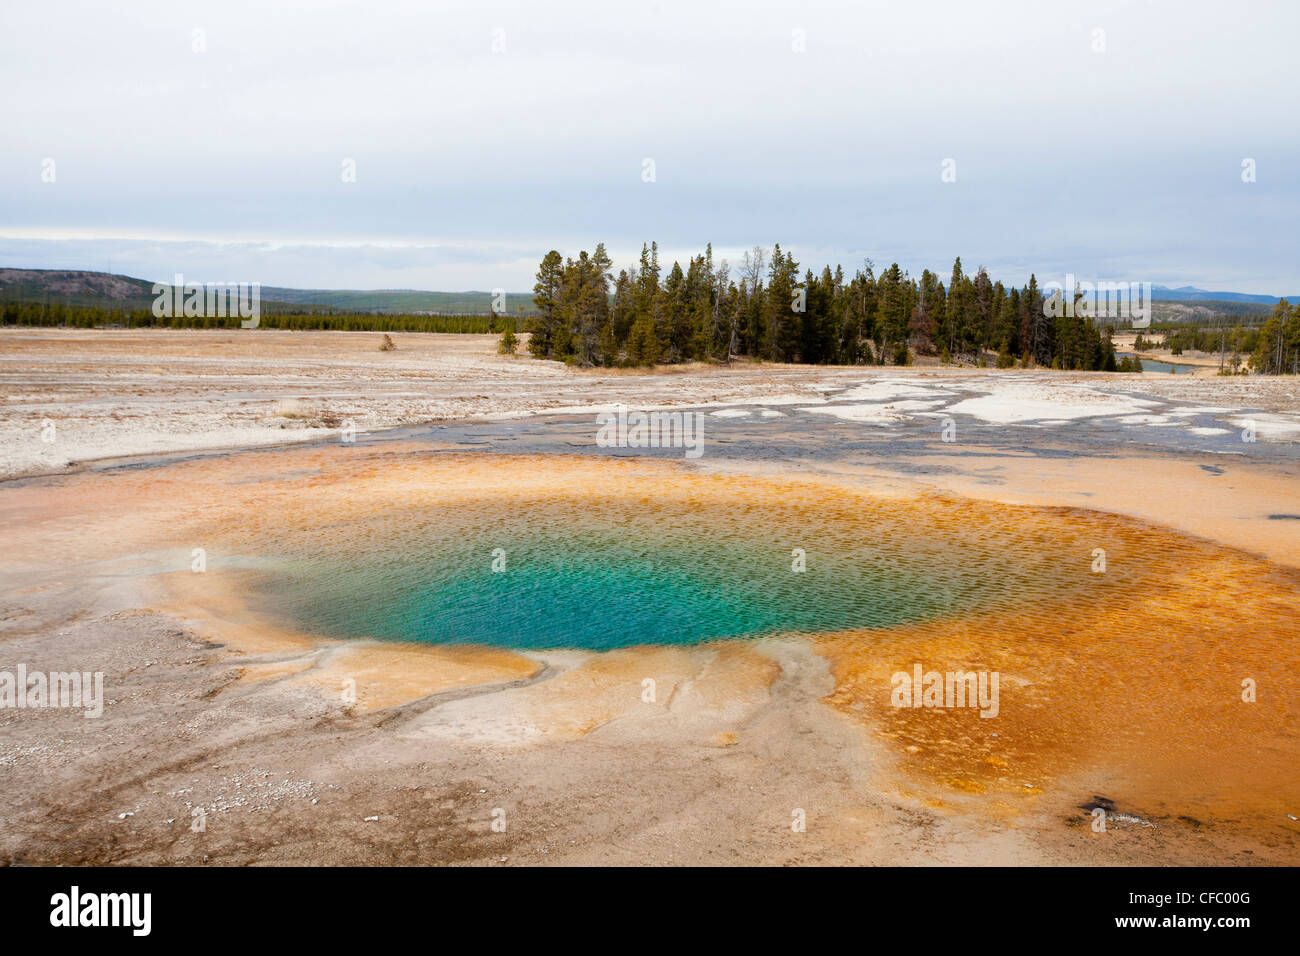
{"x": 955, "y": 316}
{"x": 550, "y": 277}
{"x": 608, "y": 347}
{"x": 784, "y": 319}
{"x": 643, "y": 346}
{"x": 509, "y": 344}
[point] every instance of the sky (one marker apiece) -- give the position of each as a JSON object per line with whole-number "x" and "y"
{"x": 448, "y": 146}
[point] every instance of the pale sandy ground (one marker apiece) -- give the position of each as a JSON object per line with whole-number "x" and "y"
{"x": 120, "y": 393}
{"x": 211, "y": 708}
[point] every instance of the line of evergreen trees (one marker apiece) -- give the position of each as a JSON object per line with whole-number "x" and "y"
{"x": 1193, "y": 339}
{"x": 1273, "y": 348}
{"x": 769, "y": 310}
{"x": 1278, "y": 350}
{"x": 31, "y": 313}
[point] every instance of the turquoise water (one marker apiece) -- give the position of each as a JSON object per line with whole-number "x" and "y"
{"x": 615, "y": 586}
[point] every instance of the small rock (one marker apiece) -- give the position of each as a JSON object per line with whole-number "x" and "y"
{"x": 371, "y": 820}
{"x": 1104, "y": 803}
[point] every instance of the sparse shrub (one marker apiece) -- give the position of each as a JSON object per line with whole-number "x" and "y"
{"x": 295, "y": 408}
{"x": 387, "y": 345}
{"x": 509, "y": 344}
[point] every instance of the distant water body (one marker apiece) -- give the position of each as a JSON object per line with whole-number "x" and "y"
{"x": 1151, "y": 365}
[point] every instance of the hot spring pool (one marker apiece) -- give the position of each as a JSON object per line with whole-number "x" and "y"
{"x": 627, "y": 559}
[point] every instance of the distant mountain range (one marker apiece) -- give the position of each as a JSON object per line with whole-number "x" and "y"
{"x": 114, "y": 291}
{"x": 1189, "y": 293}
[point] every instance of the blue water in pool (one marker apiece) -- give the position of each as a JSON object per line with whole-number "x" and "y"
{"x": 602, "y": 588}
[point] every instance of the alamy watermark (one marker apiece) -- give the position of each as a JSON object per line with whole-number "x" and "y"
{"x": 636, "y": 429}
{"x": 23, "y": 689}
{"x": 948, "y": 689}
{"x": 75, "y": 908}
{"x": 1099, "y": 300}
{"x": 209, "y": 300}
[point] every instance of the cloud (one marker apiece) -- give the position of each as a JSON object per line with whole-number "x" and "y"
{"x": 1067, "y": 158}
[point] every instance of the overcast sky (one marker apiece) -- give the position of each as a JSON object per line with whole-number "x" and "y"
{"x": 485, "y": 133}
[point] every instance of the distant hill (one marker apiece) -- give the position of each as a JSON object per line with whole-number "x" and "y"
{"x": 1209, "y": 310}
{"x": 1190, "y": 304}
{"x": 80, "y": 289}
{"x": 403, "y": 301}
{"x": 102, "y": 290}
{"x": 1189, "y": 293}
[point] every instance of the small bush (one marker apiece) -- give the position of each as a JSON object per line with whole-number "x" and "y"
{"x": 509, "y": 342}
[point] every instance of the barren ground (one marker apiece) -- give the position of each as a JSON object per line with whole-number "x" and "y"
{"x": 211, "y": 708}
